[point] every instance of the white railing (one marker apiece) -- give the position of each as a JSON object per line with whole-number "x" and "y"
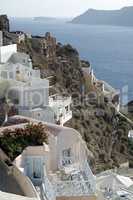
{"x": 67, "y": 116}
{"x": 89, "y": 175}
{"x": 59, "y": 100}
{"x": 73, "y": 188}
{"x": 47, "y": 190}
{"x": 81, "y": 183}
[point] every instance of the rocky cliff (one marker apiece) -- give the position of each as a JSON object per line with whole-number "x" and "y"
{"x": 4, "y": 23}
{"x": 104, "y": 131}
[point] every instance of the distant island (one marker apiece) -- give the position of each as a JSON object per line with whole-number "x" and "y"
{"x": 122, "y": 17}
{"x": 43, "y": 19}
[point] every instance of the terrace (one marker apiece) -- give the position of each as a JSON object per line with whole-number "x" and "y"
{"x": 61, "y": 107}
{"x": 71, "y": 180}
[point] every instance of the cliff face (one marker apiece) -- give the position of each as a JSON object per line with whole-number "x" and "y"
{"x": 4, "y": 23}
{"x": 105, "y": 132}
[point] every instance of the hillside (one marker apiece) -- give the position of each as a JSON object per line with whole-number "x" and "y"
{"x": 122, "y": 17}
{"x": 104, "y": 131}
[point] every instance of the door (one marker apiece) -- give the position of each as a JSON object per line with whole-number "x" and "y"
{"x": 34, "y": 167}
{"x": 37, "y": 168}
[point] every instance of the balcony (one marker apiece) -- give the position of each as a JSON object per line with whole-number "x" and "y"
{"x": 71, "y": 184}
{"x": 73, "y": 179}
{"x": 66, "y": 117}
{"x": 61, "y": 108}
{"x": 59, "y": 101}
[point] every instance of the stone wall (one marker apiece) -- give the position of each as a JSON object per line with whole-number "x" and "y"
{"x": 77, "y": 198}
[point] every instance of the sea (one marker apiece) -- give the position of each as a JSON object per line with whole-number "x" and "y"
{"x": 109, "y": 49}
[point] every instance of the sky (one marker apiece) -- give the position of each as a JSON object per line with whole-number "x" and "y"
{"x": 57, "y": 8}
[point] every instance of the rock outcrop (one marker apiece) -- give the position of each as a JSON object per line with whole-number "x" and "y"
{"x": 4, "y": 23}
{"x": 105, "y": 132}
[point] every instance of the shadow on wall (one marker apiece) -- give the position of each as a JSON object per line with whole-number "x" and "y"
{"x": 13, "y": 181}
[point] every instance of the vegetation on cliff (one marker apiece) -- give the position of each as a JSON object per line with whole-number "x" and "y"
{"x": 104, "y": 131}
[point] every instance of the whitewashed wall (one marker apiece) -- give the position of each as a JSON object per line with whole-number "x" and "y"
{"x": 1, "y": 38}
{"x": 6, "y": 52}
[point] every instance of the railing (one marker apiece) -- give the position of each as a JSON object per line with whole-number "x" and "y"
{"x": 47, "y": 190}
{"x": 67, "y": 116}
{"x": 80, "y": 183}
{"x": 73, "y": 188}
{"x": 54, "y": 100}
{"x": 89, "y": 175}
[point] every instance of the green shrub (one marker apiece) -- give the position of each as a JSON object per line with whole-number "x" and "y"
{"x": 13, "y": 142}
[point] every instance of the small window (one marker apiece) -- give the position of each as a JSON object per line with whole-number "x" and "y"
{"x": 66, "y": 160}
{"x": 67, "y": 153}
{"x": 67, "y": 108}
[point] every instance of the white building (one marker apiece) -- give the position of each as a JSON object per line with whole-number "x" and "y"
{"x": 16, "y": 37}
{"x": 112, "y": 95}
{"x": 114, "y": 186}
{"x": 61, "y": 107}
{"x": 1, "y": 38}
{"x": 6, "y": 52}
{"x": 60, "y": 168}
{"x": 130, "y": 134}
{"x": 29, "y": 91}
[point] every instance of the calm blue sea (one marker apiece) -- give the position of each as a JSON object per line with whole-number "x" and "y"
{"x": 108, "y": 48}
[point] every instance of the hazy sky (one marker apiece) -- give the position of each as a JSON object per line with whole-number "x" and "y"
{"x": 57, "y": 8}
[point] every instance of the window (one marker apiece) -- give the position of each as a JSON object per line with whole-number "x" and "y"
{"x": 66, "y": 154}
{"x": 11, "y": 75}
{"x": 67, "y": 108}
{"x": 39, "y": 114}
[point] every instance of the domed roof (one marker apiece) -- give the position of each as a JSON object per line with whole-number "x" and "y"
{"x": 21, "y": 58}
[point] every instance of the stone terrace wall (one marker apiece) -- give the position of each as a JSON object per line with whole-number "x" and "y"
{"x": 77, "y": 198}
